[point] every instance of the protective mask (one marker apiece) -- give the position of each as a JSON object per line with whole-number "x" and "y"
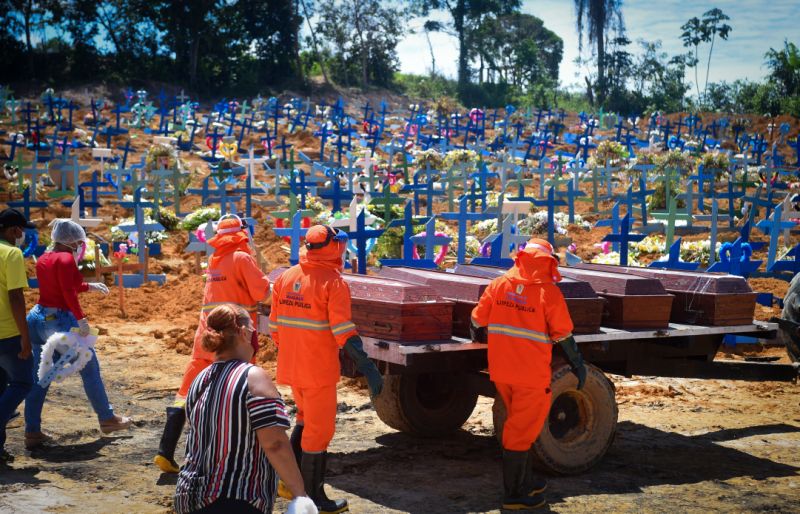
{"x": 18, "y": 242}
{"x": 79, "y": 252}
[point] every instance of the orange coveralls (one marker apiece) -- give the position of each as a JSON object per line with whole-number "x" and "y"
{"x": 310, "y": 321}
{"x": 231, "y": 278}
{"x": 525, "y": 313}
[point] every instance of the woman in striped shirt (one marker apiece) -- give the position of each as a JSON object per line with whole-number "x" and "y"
{"x": 237, "y": 427}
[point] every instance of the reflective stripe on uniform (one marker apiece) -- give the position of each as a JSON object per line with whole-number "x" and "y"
{"x": 211, "y": 306}
{"x": 343, "y": 327}
{"x": 306, "y": 323}
{"x": 523, "y": 333}
{"x": 273, "y": 327}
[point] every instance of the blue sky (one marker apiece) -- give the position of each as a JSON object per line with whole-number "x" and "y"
{"x": 757, "y": 26}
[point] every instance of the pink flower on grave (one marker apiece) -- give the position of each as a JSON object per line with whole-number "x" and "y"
{"x": 605, "y": 247}
{"x": 572, "y": 248}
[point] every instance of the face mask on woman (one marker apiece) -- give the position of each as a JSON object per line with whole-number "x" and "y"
{"x": 79, "y": 252}
{"x": 18, "y": 242}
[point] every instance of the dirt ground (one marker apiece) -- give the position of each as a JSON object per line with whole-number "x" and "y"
{"x": 681, "y": 446}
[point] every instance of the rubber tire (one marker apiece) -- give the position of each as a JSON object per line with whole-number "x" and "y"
{"x": 401, "y": 406}
{"x": 585, "y": 449}
{"x": 791, "y": 312}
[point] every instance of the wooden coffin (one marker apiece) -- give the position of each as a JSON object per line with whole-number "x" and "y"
{"x": 462, "y": 290}
{"x": 633, "y": 302}
{"x": 585, "y": 307}
{"x": 712, "y": 299}
{"x": 394, "y": 310}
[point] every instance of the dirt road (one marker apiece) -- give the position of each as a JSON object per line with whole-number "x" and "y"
{"x": 682, "y": 446}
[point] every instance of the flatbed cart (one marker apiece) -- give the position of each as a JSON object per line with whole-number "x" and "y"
{"x": 431, "y": 388}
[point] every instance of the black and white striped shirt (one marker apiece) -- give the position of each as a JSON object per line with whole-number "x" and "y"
{"x": 223, "y": 457}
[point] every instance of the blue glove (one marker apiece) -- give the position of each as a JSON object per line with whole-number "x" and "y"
{"x": 366, "y": 367}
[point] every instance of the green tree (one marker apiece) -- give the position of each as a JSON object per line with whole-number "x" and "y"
{"x": 465, "y": 14}
{"x": 361, "y": 36}
{"x": 595, "y": 19}
{"x": 784, "y": 66}
{"x": 697, "y": 31}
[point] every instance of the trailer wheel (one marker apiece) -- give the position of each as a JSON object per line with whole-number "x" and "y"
{"x": 425, "y": 405}
{"x": 791, "y": 312}
{"x": 581, "y": 424}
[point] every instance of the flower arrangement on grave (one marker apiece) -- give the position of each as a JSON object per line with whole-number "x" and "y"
{"x": 445, "y": 105}
{"x": 315, "y": 204}
{"x": 611, "y": 151}
{"x": 194, "y": 219}
{"x": 537, "y": 223}
{"x": 152, "y": 236}
{"x": 650, "y": 245}
{"x": 430, "y": 158}
{"x": 717, "y": 162}
{"x": 166, "y": 217}
{"x": 613, "y": 259}
{"x": 482, "y": 229}
{"x": 674, "y": 160}
{"x": 645, "y": 157}
{"x": 162, "y": 156}
{"x": 698, "y": 251}
{"x": 88, "y": 261}
{"x": 455, "y": 157}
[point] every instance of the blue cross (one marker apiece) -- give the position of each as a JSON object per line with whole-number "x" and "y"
{"x": 570, "y": 194}
{"x": 430, "y": 240}
{"x": 733, "y": 259}
{"x": 26, "y": 204}
{"x": 462, "y": 217}
{"x": 551, "y": 203}
{"x": 408, "y": 245}
{"x": 361, "y": 235}
{"x": 792, "y": 265}
{"x": 335, "y": 194}
{"x": 295, "y": 233}
{"x": 772, "y": 228}
{"x": 623, "y": 238}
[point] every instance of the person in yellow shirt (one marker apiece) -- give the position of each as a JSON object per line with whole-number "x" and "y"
{"x": 15, "y": 345}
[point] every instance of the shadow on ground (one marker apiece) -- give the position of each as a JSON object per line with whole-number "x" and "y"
{"x": 463, "y": 473}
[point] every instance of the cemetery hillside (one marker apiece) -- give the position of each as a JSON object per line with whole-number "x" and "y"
{"x": 416, "y": 200}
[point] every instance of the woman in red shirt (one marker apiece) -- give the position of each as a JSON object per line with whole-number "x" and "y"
{"x": 58, "y": 310}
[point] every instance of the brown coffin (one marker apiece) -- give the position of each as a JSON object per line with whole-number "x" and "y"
{"x": 712, "y": 299}
{"x": 394, "y": 310}
{"x": 633, "y": 302}
{"x": 585, "y": 307}
{"x": 462, "y": 290}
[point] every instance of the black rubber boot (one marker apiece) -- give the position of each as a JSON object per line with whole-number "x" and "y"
{"x": 515, "y": 471}
{"x": 296, "y": 437}
{"x": 535, "y": 483}
{"x": 312, "y": 468}
{"x": 165, "y": 459}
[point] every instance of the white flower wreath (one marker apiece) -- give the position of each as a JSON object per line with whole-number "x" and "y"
{"x": 75, "y": 352}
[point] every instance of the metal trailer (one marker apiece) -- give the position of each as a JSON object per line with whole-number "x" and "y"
{"x": 431, "y": 388}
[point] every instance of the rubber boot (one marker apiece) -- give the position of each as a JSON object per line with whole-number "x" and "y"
{"x": 515, "y": 471}
{"x": 312, "y": 468}
{"x": 294, "y": 439}
{"x": 165, "y": 459}
{"x": 535, "y": 483}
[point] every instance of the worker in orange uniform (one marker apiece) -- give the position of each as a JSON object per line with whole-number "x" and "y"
{"x": 524, "y": 314}
{"x": 309, "y": 322}
{"x": 233, "y": 276}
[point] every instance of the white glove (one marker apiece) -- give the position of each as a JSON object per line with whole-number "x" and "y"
{"x": 99, "y": 287}
{"x": 302, "y": 505}
{"x": 83, "y": 327}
